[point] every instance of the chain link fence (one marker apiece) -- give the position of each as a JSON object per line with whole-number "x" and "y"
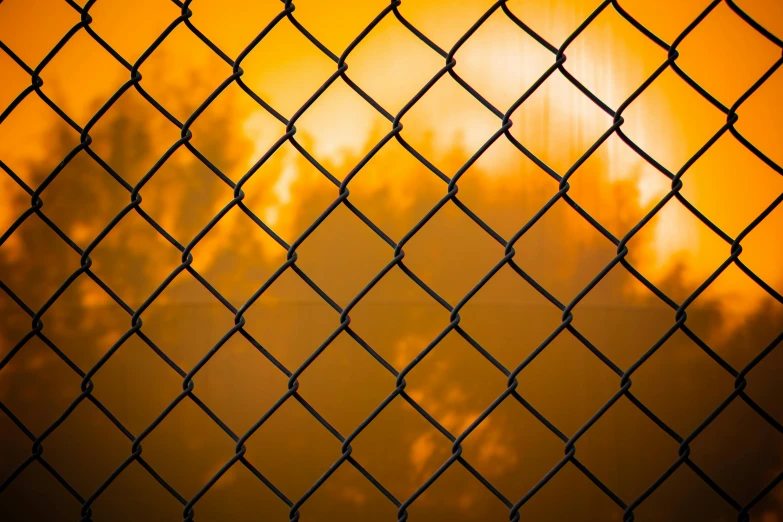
{"x": 342, "y": 198}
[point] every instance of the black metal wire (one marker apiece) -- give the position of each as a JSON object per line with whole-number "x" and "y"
{"x": 343, "y": 192}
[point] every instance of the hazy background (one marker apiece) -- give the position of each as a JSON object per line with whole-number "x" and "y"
{"x": 567, "y": 383}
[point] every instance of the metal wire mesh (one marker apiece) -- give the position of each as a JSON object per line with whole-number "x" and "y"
{"x": 287, "y": 12}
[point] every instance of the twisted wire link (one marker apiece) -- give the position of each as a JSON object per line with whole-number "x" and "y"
{"x": 392, "y": 9}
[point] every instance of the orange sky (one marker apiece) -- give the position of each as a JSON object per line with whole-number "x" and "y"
{"x": 670, "y": 120}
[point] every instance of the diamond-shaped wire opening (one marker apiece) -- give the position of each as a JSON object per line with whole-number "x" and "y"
{"x": 451, "y": 253}
{"x": 96, "y": 78}
{"x": 748, "y": 316}
{"x": 501, "y": 61}
{"x": 37, "y": 386}
{"x": 287, "y": 192}
{"x": 87, "y": 435}
{"x": 622, "y": 317}
{"x": 182, "y": 72}
{"x": 342, "y": 128}
{"x": 187, "y": 448}
{"x": 505, "y": 188}
{"x": 617, "y": 187}
{"x": 34, "y": 248}
{"x": 331, "y": 383}
{"x": 136, "y": 369}
{"x": 133, "y": 259}
{"x": 186, "y": 321}
{"x": 395, "y": 190}
{"x": 413, "y": 448}
{"x": 676, "y": 251}
{"x": 398, "y": 319}
{"x": 44, "y": 140}
{"x": 509, "y": 318}
{"x": 83, "y": 180}
{"x": 512, "y": 449}
{"x": 455, "y": 383}
{"x": 563, "y": 252}
{"x": 708, "y": 60}
{"x": 256, "y": 384}
{"x": 184, "y": 195}
{"x": 680, "y": 368}
{"x": 253, "y": 132}
{"x": 611, "y": 58}
{"x": 567, "y": 383}
{"x": 729, "y": 175}
{"x": 132, "y": 136}
{"x": 274, "y": 320}
{"x": 278, "y": 77}
{"x": 629, "y": 436}
{"x": 558, "y": 123}
{"x": 237, "y": 256}
{"x": 448, "y": 125}
{"x": 292, "y": 438}
{"x": 343, "y": 255}
{"x": 84, "y": 322}
{"x": 670, "y": 121}
{"x": 391, "y": 64}
{"x": 735, "y": 449}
